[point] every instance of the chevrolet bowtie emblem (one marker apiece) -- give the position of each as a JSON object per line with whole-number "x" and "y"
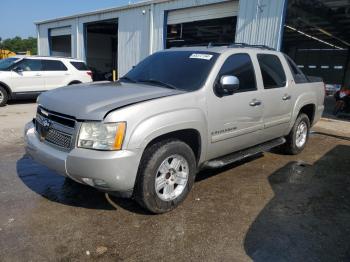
{"x": 45, "y": 127}
{"x": 46, "y": 123}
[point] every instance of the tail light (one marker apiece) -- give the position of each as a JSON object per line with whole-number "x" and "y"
{"x": 89, "y": 73}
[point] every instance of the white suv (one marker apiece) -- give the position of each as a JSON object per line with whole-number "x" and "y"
{"x": 24, "y": 77}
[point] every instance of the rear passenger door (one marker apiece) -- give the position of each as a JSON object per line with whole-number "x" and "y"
{"x": 277, "y": 95}
{"x": 55, "y": 74}
{"x": 235, "y": 120}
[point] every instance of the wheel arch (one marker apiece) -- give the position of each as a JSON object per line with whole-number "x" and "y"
{"x": 74, "y": 82}
{"x": 309, "y": 110}
{"x": 189, "y": 136}
{"x": 7, "y": 88}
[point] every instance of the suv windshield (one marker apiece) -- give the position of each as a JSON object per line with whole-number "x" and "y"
{"x": 5, "y": 64}
{"x": 184, "y": 70}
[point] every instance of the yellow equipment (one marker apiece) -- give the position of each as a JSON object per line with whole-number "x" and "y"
{"x": 6, "y": 53}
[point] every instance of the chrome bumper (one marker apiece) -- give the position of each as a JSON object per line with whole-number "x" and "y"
{"x": 104, "y": 170}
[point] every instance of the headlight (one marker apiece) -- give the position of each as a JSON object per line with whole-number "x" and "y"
{"x": 101, "y": 136}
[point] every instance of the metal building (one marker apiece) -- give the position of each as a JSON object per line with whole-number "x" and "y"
{"x": 313, "y": 32}
{"x": 118, "y": 38}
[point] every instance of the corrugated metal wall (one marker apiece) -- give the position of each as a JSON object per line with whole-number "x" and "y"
{"x": 261, "y": 22}
{"x": 133, "y": 35}
{"x": 160, "y": 11}
{"x": 133, "y": 30}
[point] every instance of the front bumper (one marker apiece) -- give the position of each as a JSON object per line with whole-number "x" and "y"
{"x": 111, "y": 171}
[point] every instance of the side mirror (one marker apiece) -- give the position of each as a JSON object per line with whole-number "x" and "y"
{"x": 228, "y": 85}
{"x": 18, "y": 70}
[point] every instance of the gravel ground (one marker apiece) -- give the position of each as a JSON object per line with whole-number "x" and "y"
{"x": 269, "y": 208}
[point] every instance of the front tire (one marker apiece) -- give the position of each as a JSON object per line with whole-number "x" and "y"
{"x": 166, "y": 176}
{"x": 3, "y": 96}
{"x": 298, "y": 136}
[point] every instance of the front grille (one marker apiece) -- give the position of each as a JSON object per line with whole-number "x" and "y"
{"x": 50, "y": 128}
{"x": 54, "y": 137}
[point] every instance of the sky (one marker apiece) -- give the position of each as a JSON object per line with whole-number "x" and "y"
{"x": 17, "y": 17}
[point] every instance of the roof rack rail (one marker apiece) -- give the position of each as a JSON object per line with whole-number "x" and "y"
{"x": 238, "y": 45}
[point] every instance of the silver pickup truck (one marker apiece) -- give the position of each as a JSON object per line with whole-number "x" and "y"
{"x": 178, "y": 111}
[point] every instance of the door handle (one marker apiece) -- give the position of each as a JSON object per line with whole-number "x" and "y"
{"x": 286, "y": 97}
{"x": 38, "y": 75}
{"x": 255, "y": 102}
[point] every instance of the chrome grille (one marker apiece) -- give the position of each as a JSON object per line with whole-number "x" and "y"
{"x": 55, "y": 129}
{"x": 55, "y": 137}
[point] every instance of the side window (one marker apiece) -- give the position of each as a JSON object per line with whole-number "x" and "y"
{"x": 298, "y": 75}
{"x": 272, "y": 71}
{"x": 53, "y": 65}
{"x": 240, "y": 66}
{"x": 29, "y": 65}
{"x": 80, "y": 66}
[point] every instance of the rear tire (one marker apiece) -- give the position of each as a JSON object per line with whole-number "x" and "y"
{"x": 166, "y": 175}
{"x": 3, "y": 96}
{"x": 298, "y": 136}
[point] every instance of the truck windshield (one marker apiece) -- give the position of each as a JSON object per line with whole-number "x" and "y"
{"x": 5, "y": 64}
{"x": 183, "y": 70}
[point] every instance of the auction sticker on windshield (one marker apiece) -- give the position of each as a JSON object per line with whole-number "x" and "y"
{"x": 201, "y": 56}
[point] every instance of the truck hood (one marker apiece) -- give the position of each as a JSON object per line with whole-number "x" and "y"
{"x": 94, "y": 101}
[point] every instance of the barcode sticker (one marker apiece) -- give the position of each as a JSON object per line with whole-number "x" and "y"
{"x": 201, "y": 56}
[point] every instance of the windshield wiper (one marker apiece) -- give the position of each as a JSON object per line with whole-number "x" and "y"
{"x": 157, "y": 82}
{"x": 127, "y": 79}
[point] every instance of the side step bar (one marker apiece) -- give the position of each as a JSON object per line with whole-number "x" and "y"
{"x": 237, "y": 156}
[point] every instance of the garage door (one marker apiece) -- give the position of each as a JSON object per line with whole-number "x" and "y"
{"x": 61, "y": 41}
{"x": 61, "y": 31}
{"x": 203, "y": 13}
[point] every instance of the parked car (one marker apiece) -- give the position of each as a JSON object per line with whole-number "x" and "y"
{"x": 331, "y": 90}
{"x": 176, "y": 112}
{"x": 24, "y": 77}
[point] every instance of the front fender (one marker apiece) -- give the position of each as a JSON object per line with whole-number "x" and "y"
{"x": 166, "y": 122}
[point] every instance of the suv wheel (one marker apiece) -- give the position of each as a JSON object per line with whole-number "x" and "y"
{"x": 166, "y": 175}
{"x": 3, "y": 96}
{"x": 298, "y": 136}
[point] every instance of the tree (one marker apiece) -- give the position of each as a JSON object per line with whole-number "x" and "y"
{"x": 17, "y": 44}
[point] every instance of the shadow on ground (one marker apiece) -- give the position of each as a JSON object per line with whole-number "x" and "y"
{"x": 63, "y": 190}
{"x": 309, "y": 217}
{"x": 58, "y": 188}
{"x": 22, "y": 101}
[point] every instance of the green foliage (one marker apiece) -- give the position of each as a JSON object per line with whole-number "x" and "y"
{"x": 17, "y": 44}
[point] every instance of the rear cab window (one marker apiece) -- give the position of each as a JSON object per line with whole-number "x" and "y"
{"x": 53, "y": 65}
{"x": 297, "y": 74}
{"x": 272, "y": 71}
{"x": 80, "y": 66}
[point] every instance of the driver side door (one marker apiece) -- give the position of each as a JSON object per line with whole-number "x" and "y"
{"x": 27, "y": 76}
{"x": 235, "y": 120}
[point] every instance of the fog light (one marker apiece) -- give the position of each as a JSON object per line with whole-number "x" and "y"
{"x": 88, "y": 181}
{"x": 100, "y": 183}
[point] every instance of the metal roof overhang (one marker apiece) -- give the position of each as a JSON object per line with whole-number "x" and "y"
{"x": 326, "y": 20}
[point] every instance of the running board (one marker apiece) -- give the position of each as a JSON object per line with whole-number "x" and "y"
{"x": 240, "y": 155}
